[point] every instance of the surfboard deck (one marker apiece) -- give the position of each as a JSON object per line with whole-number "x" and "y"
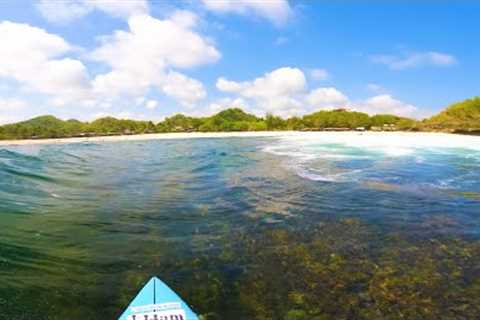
{"x": 156, "y": 301}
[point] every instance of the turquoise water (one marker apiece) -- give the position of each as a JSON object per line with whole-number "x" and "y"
{"x": 84, "y": 225}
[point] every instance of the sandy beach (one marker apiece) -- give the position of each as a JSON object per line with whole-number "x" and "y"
{"x": 393, "y": 138}
{"x": 154, "y": 136}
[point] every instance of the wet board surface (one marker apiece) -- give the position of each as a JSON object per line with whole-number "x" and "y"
{"x": 156, "y": 301}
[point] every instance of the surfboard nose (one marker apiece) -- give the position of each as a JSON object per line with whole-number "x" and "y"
{"x": 157, "y": 301}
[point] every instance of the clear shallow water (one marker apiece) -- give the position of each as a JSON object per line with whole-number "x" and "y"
{"x": 83, "y": 225}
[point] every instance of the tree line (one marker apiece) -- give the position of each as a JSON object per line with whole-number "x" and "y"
{"x": 461, "y": 116}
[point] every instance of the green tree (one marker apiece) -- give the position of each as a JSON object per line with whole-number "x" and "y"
{"x": 275, "y": 122}
{"x": 464, "y": 115}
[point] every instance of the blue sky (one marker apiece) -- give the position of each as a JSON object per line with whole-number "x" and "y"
{"x": 146, "y": 60}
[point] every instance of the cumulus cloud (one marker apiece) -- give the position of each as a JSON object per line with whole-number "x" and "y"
{"x": 68, "y": 10}
{"x": 138, "y": 63}
{"x": 326, "y": 98}
{"x": 385, "y": 103}
{"x": 413, "y": 60}
{"x": 41, "y": 62}
{"x": 279, "y": 82}
{"x": 32, "y": 57}
{"x": 276, "y": 11}
{"x": 285, "y": 92}
{"x": 186, "y": 90}
{"x": 277, "y": 91}
{"x": 176, "y": 44}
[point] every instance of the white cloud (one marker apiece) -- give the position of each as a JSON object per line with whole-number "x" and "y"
{"x": 284, "y": 92}
{"x": 276, "y": 11}
{"x": 151, "y": 104}
{"x": 32, "y": 57}
{"x": 184, "y": 18}
{"x": 386, "y": 104}
{"x": 326, "y": 98}
{"x": 24, "y": 46}
{"x": 417, "y": 59}
{"x": 319, "y": 74}
{"x": 229, "y": 86}
{"x": 186, "y": 90}
{"x": 66, "y": 77}
{"x": 68, "y": 10}
{"x": 175, "y": 44}
{"x": 40, "y": 62}
{"x": 280, "y": 82}
{"x": 138, "y": 62}
{"x": 277, "y": 91}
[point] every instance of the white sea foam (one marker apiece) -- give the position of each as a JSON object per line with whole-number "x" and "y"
{"x": 387, "y": 140}
{"x": 317, "y": 175}
{"x": 389, "y": 143}
{"x": 304, "y": 148}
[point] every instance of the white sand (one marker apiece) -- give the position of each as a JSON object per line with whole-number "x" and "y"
{"x": 155, "y": 136}
{"x": 393, "y": 139}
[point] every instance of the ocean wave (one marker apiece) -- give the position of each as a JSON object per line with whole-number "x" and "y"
{"x": 317, "y": 156}
{"x": 26, "y": 174}
{"x": 10, "y": 155}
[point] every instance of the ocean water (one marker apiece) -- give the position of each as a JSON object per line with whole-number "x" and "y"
{"x": 83, "y": 226}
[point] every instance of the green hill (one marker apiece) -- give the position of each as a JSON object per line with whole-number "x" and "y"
{"x": 336, "y": 119}
{"x": 179, "y": 123}
{"x": 50, "y": 127}
{"x": 110, "y": 125}
{"x": 233, "y": 119}
{"x": 460, "y": 116}
{"x": 39, "y": 127}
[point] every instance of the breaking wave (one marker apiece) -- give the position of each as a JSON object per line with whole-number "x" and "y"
{"x": 344, "y": 157}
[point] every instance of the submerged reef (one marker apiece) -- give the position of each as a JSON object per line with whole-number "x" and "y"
{"x": 334, "y": 270}
{"x": 339, "y": 269}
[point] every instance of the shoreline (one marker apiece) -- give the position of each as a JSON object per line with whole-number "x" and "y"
{"x": 147, "y": 137}
{"x": 210, "y": 135}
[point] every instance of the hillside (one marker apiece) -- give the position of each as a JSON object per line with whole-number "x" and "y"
{"x": 461, "y": 116}
{"x": 51, "y": 127}
{"x": 233, "y": 119}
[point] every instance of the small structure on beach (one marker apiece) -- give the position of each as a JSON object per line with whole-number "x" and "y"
{"x": 336, "y": 129}
{"x": 389, "y": 127}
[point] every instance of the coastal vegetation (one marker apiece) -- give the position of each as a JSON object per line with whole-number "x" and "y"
{"x": 459, "y": 117}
